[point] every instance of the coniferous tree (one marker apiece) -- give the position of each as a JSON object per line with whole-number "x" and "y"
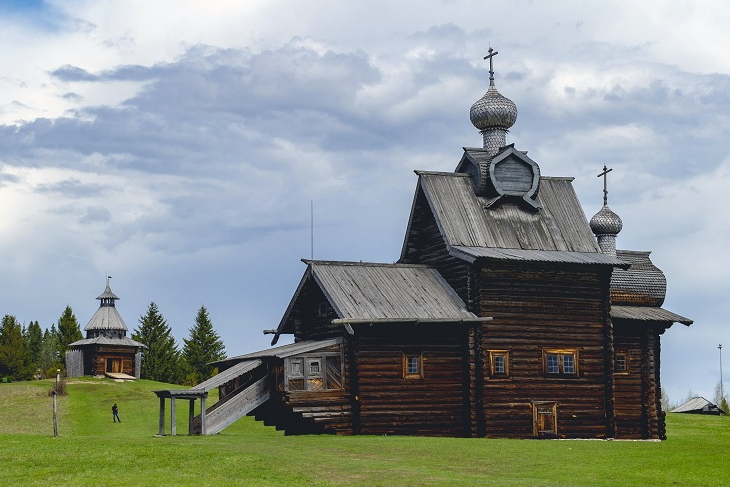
{"x": 13, "y": 358}
{"x": 69, "y": 331}
{"x": 49, "y": 360}
{"x": 34, "y": 345}
{"x": 721, "y": 397}
{"x": 161, "y": 358}
{"x": 203, "y": 346}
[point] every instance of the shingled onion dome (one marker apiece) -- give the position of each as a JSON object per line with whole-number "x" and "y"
{"x": 606, "y": 225}
{"x": 493, "y": 114}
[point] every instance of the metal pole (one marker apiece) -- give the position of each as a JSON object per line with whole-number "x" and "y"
{"x": 722, "y": 396}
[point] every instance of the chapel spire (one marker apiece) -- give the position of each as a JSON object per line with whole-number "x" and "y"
{"x": 493, "y": 114}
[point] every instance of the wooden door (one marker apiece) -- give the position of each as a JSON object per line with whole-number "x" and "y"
{"x": 545, "y": 419}
{"x": 114, "y": 365}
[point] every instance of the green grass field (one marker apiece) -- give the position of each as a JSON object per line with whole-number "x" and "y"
{"x": 91, "y": 450}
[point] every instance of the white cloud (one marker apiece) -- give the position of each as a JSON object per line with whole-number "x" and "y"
{"x": 178, "y": 146}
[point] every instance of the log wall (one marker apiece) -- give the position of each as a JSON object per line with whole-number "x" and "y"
{"x": 630, "y": 421}
{"x": 437, "y": 404}
{"x": 537, "y": 307}
{"x": 638, "y": 394}
{"x": 95, "y": 359}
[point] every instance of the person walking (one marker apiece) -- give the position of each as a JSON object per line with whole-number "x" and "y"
{"x": 115, "y": 413}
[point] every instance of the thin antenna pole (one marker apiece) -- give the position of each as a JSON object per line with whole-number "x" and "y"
{"x": 311, "y": 226}
{"x": 721, "y": 391}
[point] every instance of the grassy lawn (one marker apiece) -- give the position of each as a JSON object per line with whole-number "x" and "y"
{"x": 92, "y": 450}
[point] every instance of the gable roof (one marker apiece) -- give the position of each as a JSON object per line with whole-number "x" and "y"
{"x": 466, "y": 223}
{"x": 698, "y": 405}
{"x": 360, "y": 291}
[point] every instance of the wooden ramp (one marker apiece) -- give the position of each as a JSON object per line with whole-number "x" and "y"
{"x": 253, "y": 392}
{"x": 235, "y": 406}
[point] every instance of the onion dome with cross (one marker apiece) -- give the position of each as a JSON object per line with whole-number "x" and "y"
{"x": 493, "y": 114}
{"x": 606, "y": 224}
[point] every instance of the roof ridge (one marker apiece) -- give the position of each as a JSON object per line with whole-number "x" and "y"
{"x": 363, "y": 264}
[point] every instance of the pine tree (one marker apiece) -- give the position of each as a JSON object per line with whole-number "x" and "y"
{"x": 161, "y": 358}
{"x": 13, "y": 358}
{"x": 203, "y": 346}
{"x": 34, "y": 345}
{"x": 49, "y": 360}
{"x": 69, "y": 331}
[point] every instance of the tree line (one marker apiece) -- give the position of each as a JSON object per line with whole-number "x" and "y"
{"x": 28, "y": 352}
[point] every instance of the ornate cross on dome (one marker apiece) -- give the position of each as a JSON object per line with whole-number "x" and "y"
{"x": 489, "y": 56}
{"x": 605, "y": 191}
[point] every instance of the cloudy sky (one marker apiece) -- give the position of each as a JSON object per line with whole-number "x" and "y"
{"x": 178, "y": 145}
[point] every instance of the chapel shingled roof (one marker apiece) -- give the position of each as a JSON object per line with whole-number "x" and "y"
{"x": 468, "y": 228}
{"x": 363, "y": 291}
{"x": 106, "y": 317}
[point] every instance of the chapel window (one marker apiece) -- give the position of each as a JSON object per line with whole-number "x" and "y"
{"x": 412, "y": 366}
{"x": 499, "y": 363}
{"x": 561, "y": 363}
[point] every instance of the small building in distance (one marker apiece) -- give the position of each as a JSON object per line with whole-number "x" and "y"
{"x": 699, "y": 405}
{"x": 106, "y": 350}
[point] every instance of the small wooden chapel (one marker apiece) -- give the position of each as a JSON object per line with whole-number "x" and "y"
{"x": 106, "y": 350}
{"x": 508, "y": 314}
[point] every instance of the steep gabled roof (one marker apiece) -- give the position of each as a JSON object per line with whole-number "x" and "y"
{"x": 468, "y": 227}
{"x": 360, "y": 291}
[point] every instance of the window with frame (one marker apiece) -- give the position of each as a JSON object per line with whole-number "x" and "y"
{"x": 412, "y": 366}
{"x": 499, "y": 363}
{"x": 560, "y": 363}
{"x": 621, "y": 362}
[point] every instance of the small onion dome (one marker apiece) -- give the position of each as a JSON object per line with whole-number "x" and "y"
{"x": 606, "y": 222}
{"x": 493, "y": 111}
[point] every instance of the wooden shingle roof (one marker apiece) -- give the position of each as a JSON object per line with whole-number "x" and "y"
{"x": 643, "y": 284}
{"x": 103, "y": 340}
{"x": 106, "y": 318}
{"x": 387, "y": 291}
{"x": 466, "y": 222}
{"x": 369, "y": 292}
{"x": 698, "y": 405}
{"x": 647, "y": 313}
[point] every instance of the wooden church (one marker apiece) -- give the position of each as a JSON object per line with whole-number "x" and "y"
{"x": 106, "y": 350}
{"x": 508, "y": 314}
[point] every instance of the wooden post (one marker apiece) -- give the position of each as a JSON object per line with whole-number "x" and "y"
{"x": 173, "y": 417}
{"x": 55, "y": 416}
{"x": 55, "y": 404}
{"x": 191, "y": 417}
{"x": 202, "y": 416}
{"x": 162, "y": 416}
